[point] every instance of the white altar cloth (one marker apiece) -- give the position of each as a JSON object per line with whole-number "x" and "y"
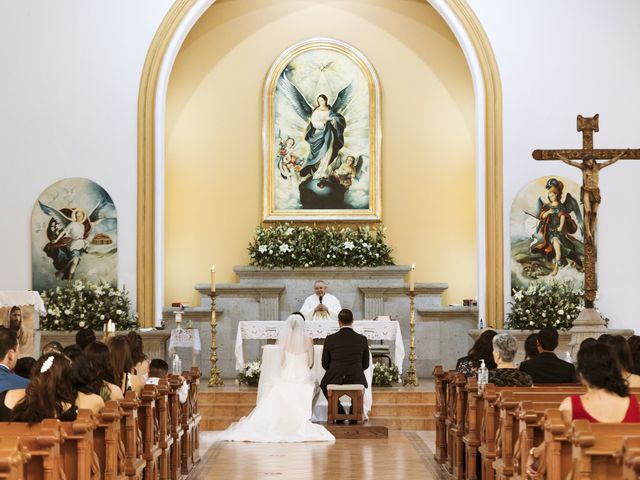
{"x": 372, "y": 329}
{"x": 271, "y": 367}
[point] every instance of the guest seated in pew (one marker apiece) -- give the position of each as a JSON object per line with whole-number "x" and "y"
{"x": 482, "y": 350}
{"x": 622, "y": 354}
{"x": 85, "y": 381}
{"x": 122, "y": 365}
{"x": 607, "y": 399}
{"x": 158, "y": 369}
{"x": 634, "y": 346}
{"x": 547, "y": 367}
{"x": 72, "y": 351}
{"x": 531, "y": 346}
{"x": 506, "y": 374}
{"x": 97, "y": 353}
{"x": 49, "y": 394}
{"x": 8, "y": 359}
{"x": 52, "y": 347}
{"x": 84, "y": 337}
{"x": 140, "y": 362}
{"x": 23, "y": 367}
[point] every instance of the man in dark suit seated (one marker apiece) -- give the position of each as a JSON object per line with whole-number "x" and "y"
{"x": 8, "y": 360}
{"x": 345, "y": 356}
{"x": 547, "y": 367}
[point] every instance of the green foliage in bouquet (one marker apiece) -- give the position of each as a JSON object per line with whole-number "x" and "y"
{"x": 291, "y": 246}
{"x": 555, "y": 304}
{"x": 383, "y": 375}
{"x": 250, "y": 373}
{"x": 84, "y": 304}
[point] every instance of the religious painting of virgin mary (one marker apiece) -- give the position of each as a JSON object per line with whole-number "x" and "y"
{"x": 321, "y": 135}
{"x": 547, "y": 234}
{"x": 74, "y": 235}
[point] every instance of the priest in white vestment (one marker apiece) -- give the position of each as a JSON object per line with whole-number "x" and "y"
{"x": 321, "y": 305}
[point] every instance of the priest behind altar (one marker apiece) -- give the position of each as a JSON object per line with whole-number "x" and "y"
{"x": 321, "y": 305}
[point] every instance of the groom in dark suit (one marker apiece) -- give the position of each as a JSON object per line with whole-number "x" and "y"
{"x": 345, "y": 355}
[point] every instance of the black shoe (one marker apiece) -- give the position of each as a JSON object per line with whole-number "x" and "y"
{"x": 353, "y": 422}
{"x": 340, "y": 422}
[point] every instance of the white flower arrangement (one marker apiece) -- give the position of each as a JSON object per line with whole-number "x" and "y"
{"x": 383, "y": 375}
{"x": 292, "y": 246}
{"x": 555, "y": 304}
{"x": 250, "y": 373}
{"x": 86, "y": 304}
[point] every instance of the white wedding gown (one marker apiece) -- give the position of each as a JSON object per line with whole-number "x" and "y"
{"x": 283, "y": 412}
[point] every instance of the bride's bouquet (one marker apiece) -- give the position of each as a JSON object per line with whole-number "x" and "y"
{"x": 250, "y": 373}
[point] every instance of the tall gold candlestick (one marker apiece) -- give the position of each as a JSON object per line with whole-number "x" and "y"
{"x": 411, "y": 377}
{"x": 215, "y": 380}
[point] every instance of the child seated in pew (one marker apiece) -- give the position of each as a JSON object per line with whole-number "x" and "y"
{"x": 607, "y": 399}
{"x": 158, "y": 369}
{"x": 49, "y": 394}
{"x": 97, "y": 353}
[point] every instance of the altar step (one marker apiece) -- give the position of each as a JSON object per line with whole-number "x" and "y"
{"x": 395, "y": 408}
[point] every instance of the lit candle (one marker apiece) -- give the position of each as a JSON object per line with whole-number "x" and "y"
{"x": 213, "y": 278}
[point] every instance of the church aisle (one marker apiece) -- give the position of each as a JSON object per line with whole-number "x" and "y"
{"x": 403, "y": 455}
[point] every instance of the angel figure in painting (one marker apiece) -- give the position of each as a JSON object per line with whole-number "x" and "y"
{"x": 344, "y": 172}
{"x": 325, "y": 130}
{"x": 557, "y": 227}
{"x": 68, "y": 233}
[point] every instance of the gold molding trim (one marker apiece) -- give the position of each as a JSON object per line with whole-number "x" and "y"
{"x": 145, "y": 259}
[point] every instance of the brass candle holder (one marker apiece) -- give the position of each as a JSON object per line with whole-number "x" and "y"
{"x": 411, "y": 377}
{"x": 215, "y": 380}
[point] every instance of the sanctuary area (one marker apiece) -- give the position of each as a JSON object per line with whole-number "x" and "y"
{"x": 311, "y": 239}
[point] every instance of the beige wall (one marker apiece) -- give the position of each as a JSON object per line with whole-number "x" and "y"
{"x": 214, "y": 124}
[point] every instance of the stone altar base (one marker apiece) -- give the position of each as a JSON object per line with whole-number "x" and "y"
{"x": 395, "y": 408}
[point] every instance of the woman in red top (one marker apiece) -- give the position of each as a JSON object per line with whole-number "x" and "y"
{"x": 607, "y": 399}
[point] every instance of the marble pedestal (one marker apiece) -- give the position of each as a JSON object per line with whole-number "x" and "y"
{"x": 260, "y": 294}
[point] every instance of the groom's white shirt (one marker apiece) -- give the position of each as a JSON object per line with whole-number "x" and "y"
{"x": 328, "y": 300}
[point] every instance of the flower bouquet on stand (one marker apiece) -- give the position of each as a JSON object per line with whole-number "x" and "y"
{"x": 250, "y": 373}
{"x": 384, "y": 376}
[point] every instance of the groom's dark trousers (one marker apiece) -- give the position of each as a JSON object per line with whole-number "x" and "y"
{"x": 345, "y": 357}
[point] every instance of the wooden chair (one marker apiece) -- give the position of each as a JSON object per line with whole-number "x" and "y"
{"x": 13, "y": 459}
{"x": 355, "y": 392}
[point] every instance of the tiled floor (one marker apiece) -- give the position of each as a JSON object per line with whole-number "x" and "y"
{"x": 405, "y": 455}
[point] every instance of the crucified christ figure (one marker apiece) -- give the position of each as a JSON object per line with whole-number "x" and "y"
{"x": 590, "y": 190}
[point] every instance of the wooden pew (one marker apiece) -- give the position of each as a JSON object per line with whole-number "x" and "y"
{"x": 151, "y": 450}
{"x": 76, "y": 448}
{"x": 491, "y": 416}
{"x": 629, "y": 456}
{"x": 186, "y": 421}
{"x": 42, "y": 441}
{"x": 175, "y": 425}
{"x": 194, "y": 389}
{"x": 473, "y": 417}
{"x": 457, "y": 424}
{"x": 595, "y": 446}
{"x": 106, "y": 442}
{"x": 165, "y": 440}
{"x": 13, "y": 459}
{"x": 134, "y": 464}
{"x": 440, "y": 415}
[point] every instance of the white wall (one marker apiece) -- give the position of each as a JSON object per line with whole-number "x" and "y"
{"x": 557, "y": 60}
{"x": 70, "y": 72}
{"x": 68, "y": 100}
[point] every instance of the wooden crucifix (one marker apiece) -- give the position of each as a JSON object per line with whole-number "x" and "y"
{"x": 586, "y": 159}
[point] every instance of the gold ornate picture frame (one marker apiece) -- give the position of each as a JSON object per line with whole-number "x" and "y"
{"x": 321, "y": 135}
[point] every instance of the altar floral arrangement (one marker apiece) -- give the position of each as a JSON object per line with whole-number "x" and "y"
{"x": 555, "y": 304}
{"x": 84, "y": 304}
{"x": 284, "y": 245}
{"x": 383, "y": 375}
{"x": 250, "y": 373}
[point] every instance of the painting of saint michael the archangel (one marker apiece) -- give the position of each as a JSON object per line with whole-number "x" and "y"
{"x": 321, "y": 131}
{"x": 547, "y": 234}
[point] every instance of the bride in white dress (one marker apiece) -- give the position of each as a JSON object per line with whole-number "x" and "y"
{"x": 282, "y": 413}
